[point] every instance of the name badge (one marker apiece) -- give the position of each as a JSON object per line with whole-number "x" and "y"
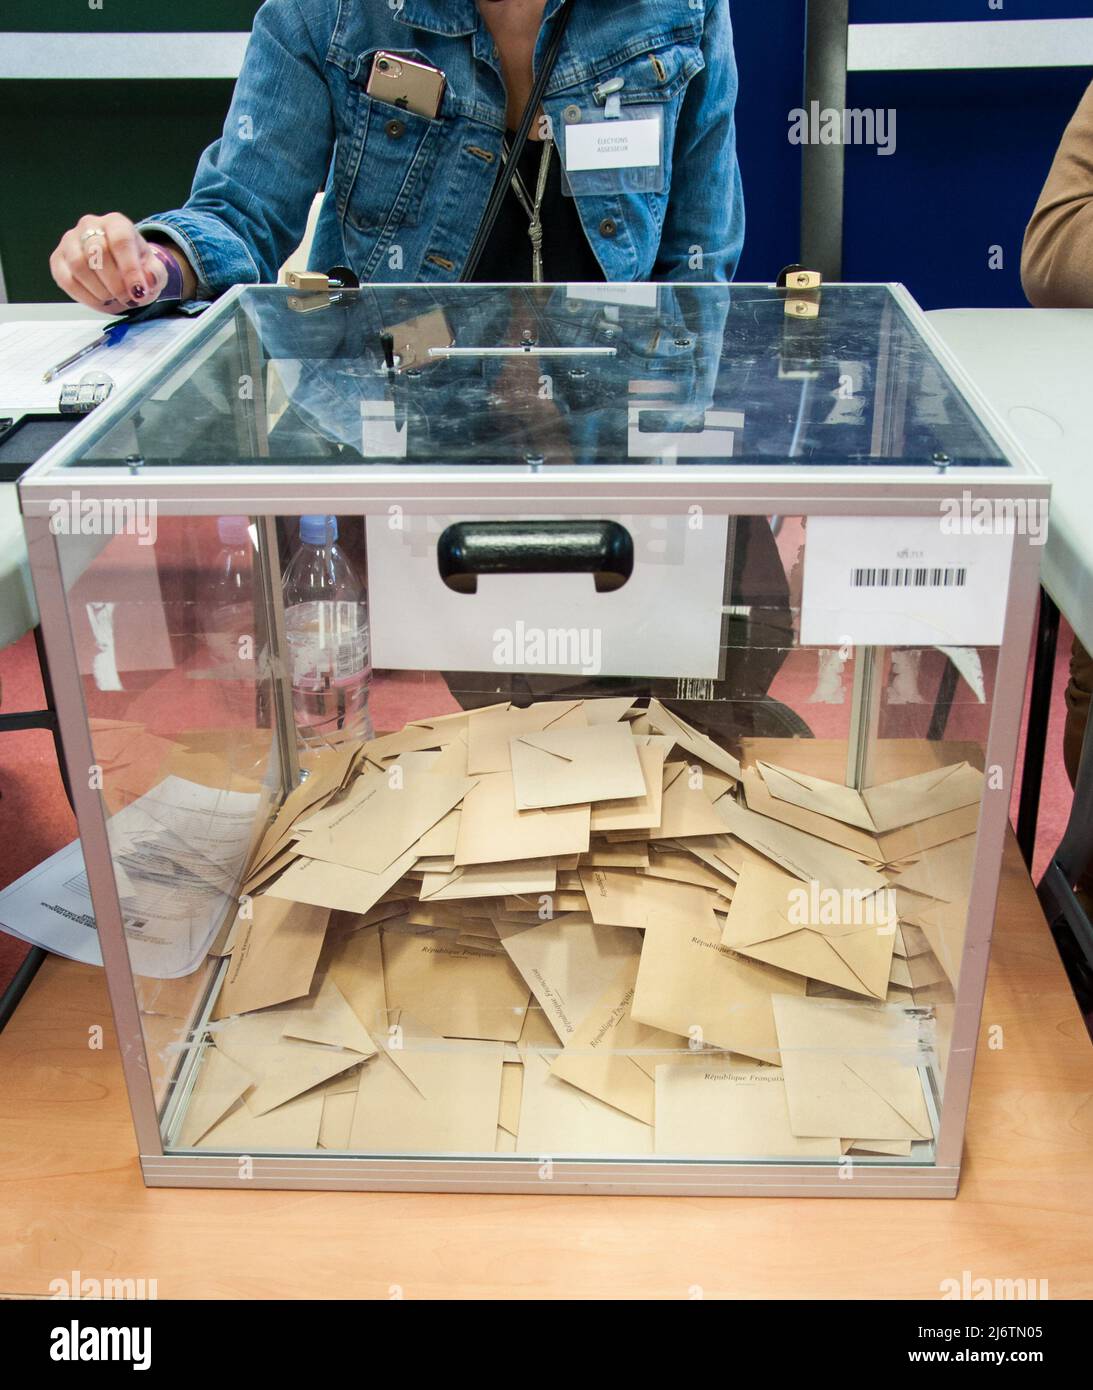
{"x": 622, "y": 144}
{"x": 607, "y": 153}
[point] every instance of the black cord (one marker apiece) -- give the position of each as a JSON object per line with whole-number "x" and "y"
{"x": 500, "y": 188}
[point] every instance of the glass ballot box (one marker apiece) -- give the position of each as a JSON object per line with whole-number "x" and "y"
{"x": 543, "y": 738}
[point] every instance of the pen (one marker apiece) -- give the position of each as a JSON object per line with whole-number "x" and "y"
{"x": 112, "y": 334}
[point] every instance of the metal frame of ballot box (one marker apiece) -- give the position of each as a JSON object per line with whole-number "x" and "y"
{"x": 730, "y": 490}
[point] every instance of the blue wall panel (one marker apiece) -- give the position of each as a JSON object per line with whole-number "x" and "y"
{"x": 770, "y": 53}
{"x": 973, "y": 150}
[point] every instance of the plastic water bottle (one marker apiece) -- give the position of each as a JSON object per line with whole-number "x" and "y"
{"x": 326, "y": 624}
{"x": 230, "y": 620}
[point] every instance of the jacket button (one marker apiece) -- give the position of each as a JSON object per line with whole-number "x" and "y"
{"x": 571, "y": 115}
{"x": 608, "y": 227}
{"x": 395, "y": 129}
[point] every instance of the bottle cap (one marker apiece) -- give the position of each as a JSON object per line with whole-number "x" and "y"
{"x": 233, "y": 530}
{"x": 318, "y": 530}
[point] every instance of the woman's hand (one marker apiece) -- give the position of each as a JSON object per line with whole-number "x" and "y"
{"x": 105, "y": 263}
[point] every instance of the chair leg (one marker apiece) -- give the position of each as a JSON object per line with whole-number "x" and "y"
{"x": 9, "y": 1000}
{"x": 42, "y": 719}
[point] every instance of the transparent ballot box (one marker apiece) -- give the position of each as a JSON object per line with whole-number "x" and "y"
{"x": 544, "y": 737}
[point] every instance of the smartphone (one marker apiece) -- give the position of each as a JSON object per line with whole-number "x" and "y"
{"x": 416, "y": 336}
{"x": 405, "y": 83}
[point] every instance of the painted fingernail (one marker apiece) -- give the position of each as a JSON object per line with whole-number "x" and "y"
{"x": 139, "y": 291}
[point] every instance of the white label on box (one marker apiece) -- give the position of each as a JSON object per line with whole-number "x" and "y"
{"x": 665, "y": 621}
{"x": 615, "y": 144}
{"x": 892, "y": 581}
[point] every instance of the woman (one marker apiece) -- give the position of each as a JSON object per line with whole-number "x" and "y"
{"x": 1057, "y": 272}
{"x": 406, "y": 185}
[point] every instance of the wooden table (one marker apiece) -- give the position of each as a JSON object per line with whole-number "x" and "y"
{"x": 71, "y": 1196}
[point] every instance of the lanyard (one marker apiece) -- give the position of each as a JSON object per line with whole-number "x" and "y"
{"x": 533, "y": 208}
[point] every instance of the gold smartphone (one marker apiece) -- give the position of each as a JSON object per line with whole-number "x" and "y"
{"x": 406, "y": 83}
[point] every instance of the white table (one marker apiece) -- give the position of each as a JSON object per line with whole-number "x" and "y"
{"x": 1035, "y": 366}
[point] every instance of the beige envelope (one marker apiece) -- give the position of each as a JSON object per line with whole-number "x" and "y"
{"x": 557, "y": 1118}
{"x": 725, "y": 1110}
{"x": 457, "y": 993}
{"x": 689, "y": 984}
{"x": 721, "y": 853}
{"x": 493, "y": 831}
{"x": 830, "y": 799}
{"x": 220, "y": 1083}
{"x": 337, "y": 1121}
{"x": 389, "y": 812}
{"x": 491, "y": 881}
{"x": 327, "y": 771}
{"x": 274, "y": 957}
{"x": 686, "y": 810}
{"x": 355, "y": 964}
{"x": 512, "y": 1085}
{"x": 571, "y": 767}
{"x": 663, "y": 721}
{"x": 610, "y": 856}
{"x": 568, "y": 963}
{"x": 294, "y": 1127}
{"x": 760, "y": 800}
{"x": 912, "y": 840}
{"x": 489, "y": 732}
{"x": 506, "y": 1142}
{"x": 337, "y": 886}
{"x": 637, "y": 812}
{"x": 328, "y": 1018}
{"x": 762, "y": 924}
{"x": 801, "y": 854}
{"x": 608, "y": 711}
{"x": 457, "y": 1113}
{"x": 898, "y": 1148}
{"x": 851, "y": 1069}
{"x": 442, "y": 838}
{"x": 944, "y": 926}
{"x": 282, "y": 1067}
{"x": 924, "y": 796}
{"x": 943, "y": 872}
{"x": 613, "y": 1058}
{"x": 887, "y": 807}
{"x": 677, "y": 866}
{"x": 617, "y": 898}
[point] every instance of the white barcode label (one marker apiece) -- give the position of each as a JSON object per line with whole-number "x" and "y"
{"x": 889, "y": 581}
{"x": 935, "y": 578}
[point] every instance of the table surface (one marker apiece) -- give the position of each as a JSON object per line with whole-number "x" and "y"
{"x": 71, "y": 1196}
{"x": 1033, "y": 367}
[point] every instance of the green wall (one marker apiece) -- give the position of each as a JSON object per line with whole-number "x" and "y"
{"x": 70, "y": 147}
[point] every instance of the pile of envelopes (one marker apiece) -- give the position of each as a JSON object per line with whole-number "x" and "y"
{"x": 584, "y": 928}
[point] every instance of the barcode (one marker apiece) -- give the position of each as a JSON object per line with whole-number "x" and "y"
{"x": 922, "y": 578}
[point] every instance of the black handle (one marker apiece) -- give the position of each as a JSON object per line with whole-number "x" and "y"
{"x": 467, "y": 549}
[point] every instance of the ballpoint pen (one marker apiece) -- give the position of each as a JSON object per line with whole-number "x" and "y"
{"x": 111, "y": 335}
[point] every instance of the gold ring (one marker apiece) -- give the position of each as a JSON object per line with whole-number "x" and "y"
{"x": 92, "y": 231}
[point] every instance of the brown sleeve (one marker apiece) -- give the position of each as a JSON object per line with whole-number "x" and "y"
{"x": 1057, "y": 262}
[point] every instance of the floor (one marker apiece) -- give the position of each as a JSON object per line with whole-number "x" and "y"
{"x": 35, "y": 819}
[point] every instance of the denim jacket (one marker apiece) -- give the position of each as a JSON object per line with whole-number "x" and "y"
{"x": 404, "y": 194}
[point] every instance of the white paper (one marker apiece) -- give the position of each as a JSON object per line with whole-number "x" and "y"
{"x": 665, "y": 621}
{"x": 902, "y": 581}
{"x": 178, "y": 853}
{"x": 30, "y": 348}
{"x": 614, "y": 144}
